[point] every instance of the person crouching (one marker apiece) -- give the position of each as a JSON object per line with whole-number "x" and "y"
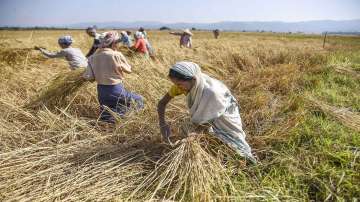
{"x": 107, "y": 67}
{"x": 140, "y": 44}
{"x": 210, "y": 102}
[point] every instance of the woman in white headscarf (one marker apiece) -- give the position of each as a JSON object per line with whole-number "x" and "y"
{"x": 209, "y": 101}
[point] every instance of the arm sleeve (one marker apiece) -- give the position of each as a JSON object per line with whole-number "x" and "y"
{"x": 89, "y": 73}
{"x": 176, "y": 33}
{"x": 49, "y": 54}
{"x": 175, "y": 91}
{"x": 91, "y": 51}
{"x": 121, "y": 63}
{"x": 94, "y": 47}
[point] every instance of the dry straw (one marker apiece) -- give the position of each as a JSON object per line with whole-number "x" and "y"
{"x": 188, "y": 172}
{"x": 348, "y": 71}
{"x": 97, "y": 170}
{"x": 57, "y": 155}
{"x": 343, "y": 115}
{"x": 58, "y": 89}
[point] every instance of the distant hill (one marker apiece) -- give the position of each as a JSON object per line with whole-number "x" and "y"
{"x": 275, "y": 26}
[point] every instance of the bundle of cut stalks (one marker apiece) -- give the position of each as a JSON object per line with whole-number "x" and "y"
{"x": 69, "y": 172}
{"x": 58, "y": 89}
{"x": 348, "y": 71}
{"x": 343, "y": 115}
{"x": 94, "y": 169}
{"x": 191, "y": 171}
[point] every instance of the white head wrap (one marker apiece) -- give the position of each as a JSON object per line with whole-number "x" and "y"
{"x": 108, "y": 39}
{"x": 208, "y": 98}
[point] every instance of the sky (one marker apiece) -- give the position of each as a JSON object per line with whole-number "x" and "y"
{"x": 64, "y": 12}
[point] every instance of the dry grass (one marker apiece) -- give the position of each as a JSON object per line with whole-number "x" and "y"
{"x": 348, "y": 71}
{"x": 343, "y": 115}
{"x": 60, "y": 152}
{"x": 58, "y": 89}
{"x": 188, "y": 172}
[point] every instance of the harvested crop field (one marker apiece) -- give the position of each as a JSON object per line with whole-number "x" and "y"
{"x": 300, "y": 105}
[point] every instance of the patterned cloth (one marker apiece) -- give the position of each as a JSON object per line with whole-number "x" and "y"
{"x": 228, "y": 128}
{"x": 108, "y": 39}
{"x": 66, "y": 40}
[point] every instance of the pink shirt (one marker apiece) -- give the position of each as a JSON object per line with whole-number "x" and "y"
{"x": 140, "y": 46}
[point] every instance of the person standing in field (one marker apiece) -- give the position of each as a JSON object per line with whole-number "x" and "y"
{"x": 185, "y": 38}
{"x": 74, "y": 56}
{"x": 140, "y": 44}
{"x": 91, "y": 31}
{"x": 108, "y": 67}
{"x": 216, "y": 33}
{"x": 210, "y": 102}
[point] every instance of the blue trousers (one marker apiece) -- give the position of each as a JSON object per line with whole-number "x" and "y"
{"x": 118, "y": 99}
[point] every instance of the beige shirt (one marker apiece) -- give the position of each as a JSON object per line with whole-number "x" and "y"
{"x": 107, "y": 67}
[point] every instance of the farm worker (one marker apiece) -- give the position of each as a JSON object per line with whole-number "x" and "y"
{"x": 210, "y": 102}
{"x": 148, "y": 45}
{"x": 107, "y": 67}
{"x": 74, "y": 56}
{"x": 125, "y": 39}
{"x": 140, "y": 43}
{"x": 185, "y": 38}
{"x": 91, "y": 31}
{"x": 142, "y": 30}
{"x": 216, "y": 33}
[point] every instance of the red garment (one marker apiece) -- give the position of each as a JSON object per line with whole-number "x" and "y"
{"x": 140, "y": 46}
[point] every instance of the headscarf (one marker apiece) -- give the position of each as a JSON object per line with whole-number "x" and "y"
{"x": 66, "y": 40}
{"x": 139, "y": 35}
{"x": 108, "y": 39}
{"x": 208, "y": 98}
{"x": 124, "y": 33}
{"x": 187, "y": 31}
{"x": 91, "y": 30}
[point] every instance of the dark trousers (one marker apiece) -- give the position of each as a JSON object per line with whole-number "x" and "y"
{"x": 118, "y": 99}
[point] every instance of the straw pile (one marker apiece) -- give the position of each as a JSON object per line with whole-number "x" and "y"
{"x": 348, "y": 71}
{"x": 61, "y": 153}
{"x": 343, "y": 115}
{"x": 188, "y": 172}
{"x": 15, "y": 56}
{"x": 58, "y": 89}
